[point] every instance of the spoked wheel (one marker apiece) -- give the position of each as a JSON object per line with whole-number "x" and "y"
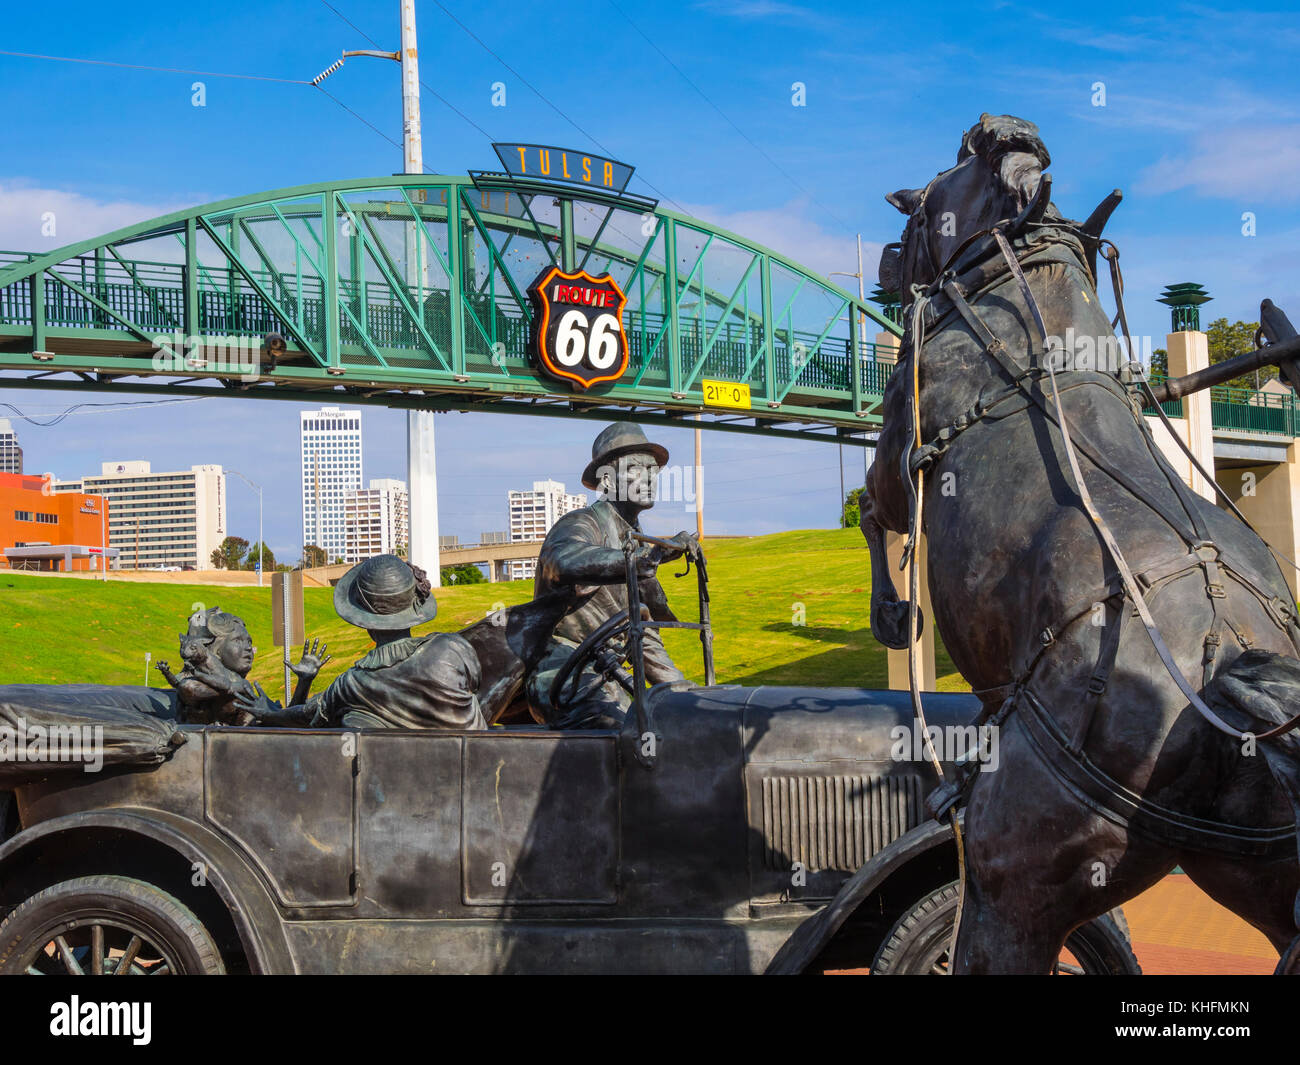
{"x": 105, "y": 926}
{"x": 918, "y": 944}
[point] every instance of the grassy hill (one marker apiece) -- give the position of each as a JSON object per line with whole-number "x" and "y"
{"x": 64, "y": 630}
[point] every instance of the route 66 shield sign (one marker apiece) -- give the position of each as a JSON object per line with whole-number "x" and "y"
{"x": 578, "y": 327}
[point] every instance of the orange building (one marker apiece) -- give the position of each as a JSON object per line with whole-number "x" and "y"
{"x": 41, "y": 530}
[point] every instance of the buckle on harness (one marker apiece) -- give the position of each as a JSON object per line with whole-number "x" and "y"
{"x": 1096, "y": 685}
{"x": 944, "y": 798}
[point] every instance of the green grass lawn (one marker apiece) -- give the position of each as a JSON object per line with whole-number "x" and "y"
{"x": 787, "y": 609}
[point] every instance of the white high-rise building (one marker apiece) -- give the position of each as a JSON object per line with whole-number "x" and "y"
{"x": 376, "y": 520}
{"x": 174, "y": 518}
{"x": 11, "y": 455}
{"x": 531, "y": 516}
{"x": 331, "y": 471}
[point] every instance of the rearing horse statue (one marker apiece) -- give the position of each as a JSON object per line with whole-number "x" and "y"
{"x": 1136, "y": 645}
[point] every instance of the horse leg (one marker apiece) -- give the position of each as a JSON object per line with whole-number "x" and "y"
{"x": 888, "y": 613}
{"x": 1262, "y": 893}
{"x": 1018, "y": 907}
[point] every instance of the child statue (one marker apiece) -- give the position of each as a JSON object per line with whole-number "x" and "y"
{"x": 218, "y": 653}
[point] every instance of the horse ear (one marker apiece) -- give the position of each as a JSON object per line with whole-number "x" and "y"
{"x": 906, "y": 200}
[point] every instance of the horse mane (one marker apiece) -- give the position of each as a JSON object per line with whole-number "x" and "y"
{"x": 993, "y": 136}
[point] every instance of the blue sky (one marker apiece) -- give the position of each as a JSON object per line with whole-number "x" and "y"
{"x": 1200, "y": 125}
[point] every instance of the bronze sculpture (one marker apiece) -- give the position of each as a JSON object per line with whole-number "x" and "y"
{"x": 218, "y": 653}
{"x": 406, "y": 681}
{"x": 1062, "y": 534}
{"x": 583, "y": 552}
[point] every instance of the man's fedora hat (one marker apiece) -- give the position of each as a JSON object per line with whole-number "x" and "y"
{"x": 384, "y": 593}
{"x": 621, "y": 438}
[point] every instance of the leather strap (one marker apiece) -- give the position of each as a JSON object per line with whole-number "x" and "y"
{"x": 1121, "y": 806}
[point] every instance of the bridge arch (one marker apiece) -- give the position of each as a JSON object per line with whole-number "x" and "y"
{"x": 411, "y": 292}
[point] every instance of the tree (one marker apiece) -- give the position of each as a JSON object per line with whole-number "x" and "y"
{"x": 268, "y": 558}
{"x": 217, "y": 559}
{"x": 1160, "y": 364}
{"x": 1226, "y": 340}
{"x": 231, "y": 551}
{"x": 312, "y": 556}
{"x": 465, "y": 573}
{"x": 852, "y": 512}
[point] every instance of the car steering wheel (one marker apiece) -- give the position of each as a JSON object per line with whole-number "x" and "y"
{"x": 596, "y": 643}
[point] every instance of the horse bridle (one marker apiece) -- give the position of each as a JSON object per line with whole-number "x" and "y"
{"x": 995, "y": 348}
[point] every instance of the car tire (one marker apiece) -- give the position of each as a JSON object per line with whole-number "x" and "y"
{"x": 56, "y": 931}
{"x": 918, "y": 942}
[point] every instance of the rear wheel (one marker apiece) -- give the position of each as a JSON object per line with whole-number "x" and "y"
{"x": 918, "y": 943}
{"x": 105, "y": 926}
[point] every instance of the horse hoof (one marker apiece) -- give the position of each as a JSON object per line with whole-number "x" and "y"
{"x": 889, "y": 624}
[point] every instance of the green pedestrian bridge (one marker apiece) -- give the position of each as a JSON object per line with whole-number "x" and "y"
{"x": 412, "y": 292}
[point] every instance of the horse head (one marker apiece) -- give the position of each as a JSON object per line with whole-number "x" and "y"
{"x": 998, "y": 178}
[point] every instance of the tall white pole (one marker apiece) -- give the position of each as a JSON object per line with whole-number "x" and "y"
{"x": 412, "y": 149}
{"x": 421, "y": 464}
{"x": 261, "y": 542}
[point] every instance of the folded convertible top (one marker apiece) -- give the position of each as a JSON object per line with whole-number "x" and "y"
{"x": 49, "y": 729}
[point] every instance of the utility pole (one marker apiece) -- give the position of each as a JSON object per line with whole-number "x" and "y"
{"x": 421, "y": 464}
{"x": 856, "y": 365}
{"x": 699, "y": 484}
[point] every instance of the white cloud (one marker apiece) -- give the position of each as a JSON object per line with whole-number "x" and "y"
{"x": 1247, "y": 163}
{"x": 792, "y": 230}
{"x": 24, "y": 208}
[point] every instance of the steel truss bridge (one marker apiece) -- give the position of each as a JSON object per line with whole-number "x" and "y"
{"x": 411, "y": 292}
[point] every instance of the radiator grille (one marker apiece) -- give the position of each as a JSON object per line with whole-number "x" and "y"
{"x": 835, "y": 822}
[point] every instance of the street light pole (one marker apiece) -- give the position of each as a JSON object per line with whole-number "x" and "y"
{"x": 261, "y": 543}
{"x": 421, "y": 464}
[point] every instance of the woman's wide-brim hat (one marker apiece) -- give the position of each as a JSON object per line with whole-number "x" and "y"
{"x": 383, "y": 593}
{"x": 621, "y": 438}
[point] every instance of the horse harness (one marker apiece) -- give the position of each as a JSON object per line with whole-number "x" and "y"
{"x": 1126, "y": 593}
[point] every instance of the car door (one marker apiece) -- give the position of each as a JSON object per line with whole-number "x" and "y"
{"x": 452, "y": 824}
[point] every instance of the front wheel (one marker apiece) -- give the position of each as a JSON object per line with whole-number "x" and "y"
{"x": 918, "y": 943}
{"x": 105, "y": 926}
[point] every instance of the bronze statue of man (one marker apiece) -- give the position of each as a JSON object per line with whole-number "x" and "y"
{"x": 584, "y": 551}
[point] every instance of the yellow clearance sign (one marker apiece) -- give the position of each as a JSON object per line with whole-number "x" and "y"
{"x": 726, "y": 394}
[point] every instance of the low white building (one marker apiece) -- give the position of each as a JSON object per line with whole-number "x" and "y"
{"x": 171, "y": 518}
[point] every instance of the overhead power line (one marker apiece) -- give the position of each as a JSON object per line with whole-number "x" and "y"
{"x": 97, "y": 408}
{"x": 161, "y": 70}
{"x": 725, "y": 117}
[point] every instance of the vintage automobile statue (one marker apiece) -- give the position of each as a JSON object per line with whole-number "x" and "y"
{"x": 699, "y": 837}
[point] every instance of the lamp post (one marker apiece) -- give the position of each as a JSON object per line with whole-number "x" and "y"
{"x": 261, "y": 544}
{"x": 103, "y": 537}
{"x": 421, "y": 467}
